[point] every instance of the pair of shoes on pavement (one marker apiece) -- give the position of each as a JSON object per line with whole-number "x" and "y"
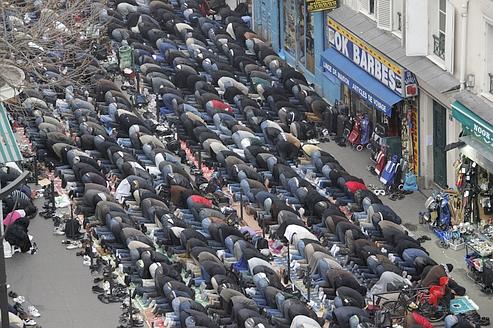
{"x": 74, "y": 245}
{"x": 59, "y": 231}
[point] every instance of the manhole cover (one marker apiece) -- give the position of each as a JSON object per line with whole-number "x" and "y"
{"x": 410, "y": 226}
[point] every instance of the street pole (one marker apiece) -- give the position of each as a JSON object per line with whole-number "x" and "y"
{"x": 241, "y": 205}
{"x": 36, "y": 169}
{"x": 4, "y": 301}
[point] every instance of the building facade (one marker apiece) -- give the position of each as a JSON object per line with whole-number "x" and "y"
{"x": 427, "y": 63}
{"x": 298, "y": 36}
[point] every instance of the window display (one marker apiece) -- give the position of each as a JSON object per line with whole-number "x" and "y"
{"x": 474, "y": 184}
{"x": 298, "y": 33}
{"x": 310, "y": 49}
{"x": 290, "y": 26}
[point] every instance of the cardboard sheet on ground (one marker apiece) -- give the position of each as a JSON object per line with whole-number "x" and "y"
{"x": 44, "y": 182}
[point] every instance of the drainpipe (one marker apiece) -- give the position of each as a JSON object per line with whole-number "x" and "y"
{"x": 463, "y": 45}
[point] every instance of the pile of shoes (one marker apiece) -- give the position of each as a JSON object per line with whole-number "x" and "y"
{"x": 23, "y": 310}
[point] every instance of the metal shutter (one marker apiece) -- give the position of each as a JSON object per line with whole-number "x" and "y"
{"x": 364, "y": 5}
{"x": 384, "y": 14}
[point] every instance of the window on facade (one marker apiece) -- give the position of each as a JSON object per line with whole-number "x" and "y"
{"x": 439, "y": 39}
{"x": 371, "y": 10}
{"x": 397, "y": 18}
{"x": 489, "y": 61}
{"x": 368, "y": 7}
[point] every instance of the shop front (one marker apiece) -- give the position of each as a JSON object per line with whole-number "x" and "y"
{"x": 474, "y": 167}
{"x": 377, "y": 89}
{"x": 266, "y": 21}
{"x": 296, "y": 30}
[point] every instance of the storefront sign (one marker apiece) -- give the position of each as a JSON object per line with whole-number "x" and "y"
{"x": 369, "y": 59}
{"x": 319, "y": 5}
{"x": 411, "y": 89}
{"x": 472, "y": 124}
{"x": 359, "y": 89}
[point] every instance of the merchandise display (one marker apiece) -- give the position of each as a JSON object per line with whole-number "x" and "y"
{"x": 474, "y": 184}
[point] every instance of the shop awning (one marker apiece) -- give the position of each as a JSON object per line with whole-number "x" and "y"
{"x": 360, "y": 82}
{"x": 478, "y": 152}
{"x": 9, "y": 150}
{"x": 473, "y": 124}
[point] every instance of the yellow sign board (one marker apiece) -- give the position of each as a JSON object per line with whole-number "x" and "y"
{"x": 363, "y": 45}
{"x": 319, "y": 5}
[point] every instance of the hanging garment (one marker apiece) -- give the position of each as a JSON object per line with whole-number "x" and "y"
{"x": 455, "y": 204}
{"x": 381, "y": 160}
{"x": 341, "y": 124}
{"x": 444, "y": 219}
{"x": 365, "y": 130}
{"x": 485, "y": 208}
{"x": 390, "y": 170}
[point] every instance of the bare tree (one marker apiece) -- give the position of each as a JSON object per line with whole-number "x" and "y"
{"x": 50, "y": 39}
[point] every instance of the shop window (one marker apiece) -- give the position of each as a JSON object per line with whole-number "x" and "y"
{"x": 327, "y": 36}
{"x": 290, "y": 26}
{"x": 310, "y": 44}
{"x": 298, "y": 33}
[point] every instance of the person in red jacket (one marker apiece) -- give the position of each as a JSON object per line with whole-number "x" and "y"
{"x": 354, "y": 186}
{"x": 416, "y": 320}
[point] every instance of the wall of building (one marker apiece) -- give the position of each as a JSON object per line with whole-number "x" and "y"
{"x": 479, "y": 14}
{"x": 426, "y": 139}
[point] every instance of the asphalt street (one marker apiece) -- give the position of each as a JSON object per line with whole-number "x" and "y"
{"x": 57, "y": 283}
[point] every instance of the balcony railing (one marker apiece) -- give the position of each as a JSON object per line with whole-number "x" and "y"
{"x": 491, "y": 82}
{"x": 439, "y": 45}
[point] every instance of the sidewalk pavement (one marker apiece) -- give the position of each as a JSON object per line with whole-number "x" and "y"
{"x": 356, "y": 163}
{"x": 55, "y": 281}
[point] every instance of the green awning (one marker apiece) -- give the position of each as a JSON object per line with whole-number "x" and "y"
{"x": 477, "y": 151}
{"x": 472, "y": 124}
{"x": 9, "y": 150}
